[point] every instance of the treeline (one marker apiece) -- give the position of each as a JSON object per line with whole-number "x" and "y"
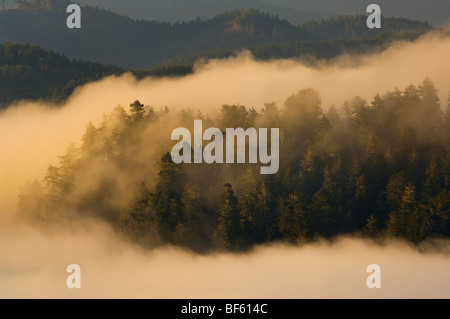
{"x": 378, "y": 169}
{"x": 307, "y": 51}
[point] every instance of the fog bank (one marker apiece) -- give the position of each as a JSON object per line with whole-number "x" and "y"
{"x": 33, "y": 265}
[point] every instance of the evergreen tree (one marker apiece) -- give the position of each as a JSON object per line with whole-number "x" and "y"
{"x": 137, "y": 112}
{"x": 440, "y": 209}
{"x": 371, "y": 229}
{"x": 166, "y": 199}
{"x": 227, "y": 234}
{"x": 398, "y": 220}
{"x": 293, "y": 220}
{"x": 141, "y": 225}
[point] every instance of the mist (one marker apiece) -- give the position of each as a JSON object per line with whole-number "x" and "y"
{"x": 33, "y": 134}
{"x": 33, "y": 265}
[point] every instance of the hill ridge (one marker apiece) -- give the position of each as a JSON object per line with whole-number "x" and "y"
{"x": 108, "y": 38}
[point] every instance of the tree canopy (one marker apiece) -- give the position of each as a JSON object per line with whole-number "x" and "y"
{"x": 376, "y": 169}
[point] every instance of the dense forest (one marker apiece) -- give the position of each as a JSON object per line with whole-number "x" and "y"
{"x": 109, "y": 38}
{"x": 28, "y": 72}
{"x": 376, "y": 169}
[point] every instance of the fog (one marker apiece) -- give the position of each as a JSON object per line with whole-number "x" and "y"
{"x": 32, "y": 264}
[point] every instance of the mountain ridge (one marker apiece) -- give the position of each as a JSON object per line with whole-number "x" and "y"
{"x": 108, "y": 38}
{"x": 295, "y": 11}
{"x": 182, "y": 10}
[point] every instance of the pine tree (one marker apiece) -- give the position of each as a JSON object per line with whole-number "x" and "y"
{"x": 193, "y": 226}
{"x": 302, "y": 113}
{"x": 440, "y": 209}
{"x": 311, "y": 174}
{"x": 137, "y": 112}
{"x": 395, "y": 189}
{"x": 166, "y": 199}
{"x": 398, "y": 220}
{"x": 419, "y": 224}
{"x": 141, "y": 225}
{"x": 430, "y": 98}
{"x": 228, "y": 227}
{"x": 430, "y": 115}
{"x": 437, "y": 173}
{"x": 293, "y": 223}
{"x": 371, "y": 229}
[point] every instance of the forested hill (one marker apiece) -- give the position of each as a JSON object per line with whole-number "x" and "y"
{"x": 109, "y": 38}
{"x": 30, "y": 72}
{"x": 186, "y": 10}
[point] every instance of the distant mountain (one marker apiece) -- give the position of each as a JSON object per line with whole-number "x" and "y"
{"x": 109, "y": 38}
{"x": 187, "y": 10}
{"x": 436, "y": 12}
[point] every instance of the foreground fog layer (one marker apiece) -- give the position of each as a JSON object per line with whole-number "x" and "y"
{"x": 32, "y": 135}
{"x": 33, "y": 265}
